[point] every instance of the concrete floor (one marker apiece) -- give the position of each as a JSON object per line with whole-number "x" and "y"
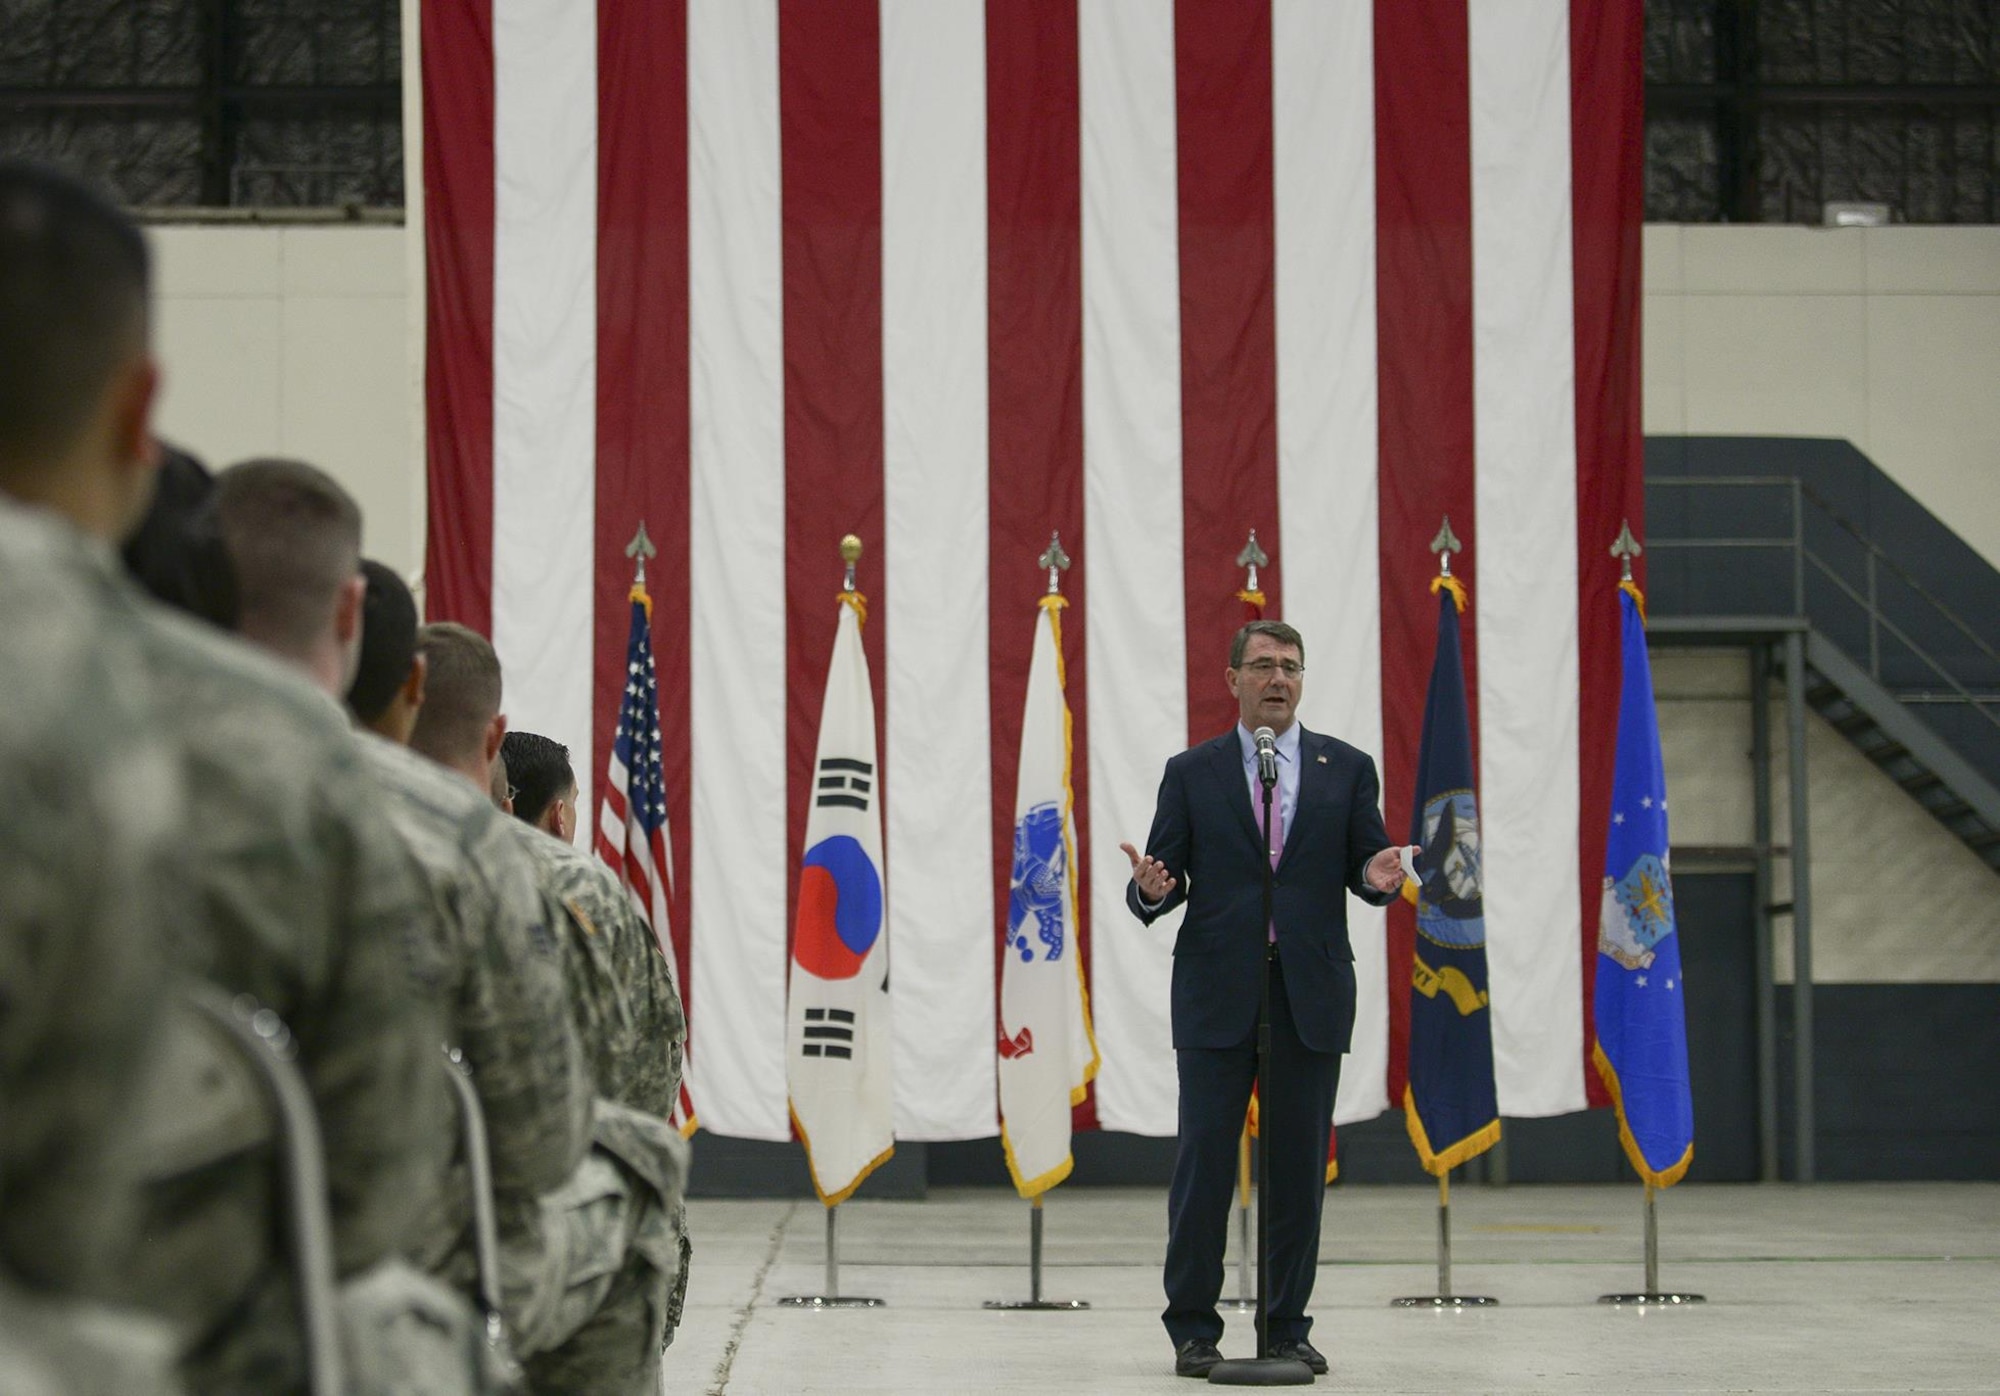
{"x": 1839, "y": 1287}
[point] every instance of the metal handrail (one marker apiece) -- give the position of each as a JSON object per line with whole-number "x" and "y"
{"x": 1874, "y": 550}
{"x": 1875, "y": 556}
{"x": 1965, "y": 694}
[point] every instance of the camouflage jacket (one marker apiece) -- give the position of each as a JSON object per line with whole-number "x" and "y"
{"x": 306, "y": 903}
{"x": 502, "y": 988}
{"x": 628, "y": 1014}
{"x": 90, "y": 837}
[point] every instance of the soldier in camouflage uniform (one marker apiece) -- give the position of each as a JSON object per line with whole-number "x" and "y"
{"x": 88, "y": 840}
{"x": 311, "y": 909}
{"x": 87, "y": 896}
{"x": 628, "y": 1012}
{"x": 296, "y": 901}
{"x": 489, "y": 934}
{"x": 615, "y": 1235}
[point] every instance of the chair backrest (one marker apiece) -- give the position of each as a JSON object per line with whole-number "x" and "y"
{"x": 264, "y": 1043}
{"x": 485, "y": 1221}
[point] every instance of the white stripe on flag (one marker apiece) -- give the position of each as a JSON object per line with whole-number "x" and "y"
{"x": 545, "y": 360}
{"x": 1323, "y": 101}
{"x": 1136, "y": 625}
{"x": 736, "y": 993}
{"x": 1524, "y": 541}
{"x": 939, "y": 833}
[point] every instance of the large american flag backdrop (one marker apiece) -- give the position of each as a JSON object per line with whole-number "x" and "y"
{"x": 950, "y": 275}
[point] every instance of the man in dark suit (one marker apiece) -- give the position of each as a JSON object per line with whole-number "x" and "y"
{"x": 1207, "y": 849}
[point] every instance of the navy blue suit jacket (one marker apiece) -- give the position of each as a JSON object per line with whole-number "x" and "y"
{"x": 1205, "y": 832}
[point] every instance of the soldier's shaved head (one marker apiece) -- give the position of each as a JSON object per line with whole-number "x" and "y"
{"x": 459, "y": 725}
{"x": 294, "y": 541}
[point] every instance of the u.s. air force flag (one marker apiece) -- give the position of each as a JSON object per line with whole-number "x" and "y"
{"x": 838, "y": 1046}
{"x": 1641, "y": 1048}
{"x": 1450, "y": 1104}
{"x": 1047, "y": 1054}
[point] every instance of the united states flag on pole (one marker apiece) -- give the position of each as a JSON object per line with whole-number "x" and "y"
{"x": 951, "y": 274}
{"x": 1047, "y": 1057}
{"x": 839, "y": 1059}
{"x": 632, "y": 819}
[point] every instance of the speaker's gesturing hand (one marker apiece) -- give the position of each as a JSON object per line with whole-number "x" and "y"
{"x": 1150, "y": 874}
{"x": 1385, "y": 870}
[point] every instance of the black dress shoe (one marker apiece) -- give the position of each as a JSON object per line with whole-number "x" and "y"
{"x": 1194, "y": 1357}
{"x": 1299, "y": 1350}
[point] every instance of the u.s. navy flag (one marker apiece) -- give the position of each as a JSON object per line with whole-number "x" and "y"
{"x": 1047, "y": 1053}
{"x": 1450, "y": 1104}
{"x": 1641, "y": 1023}
{"x": 837, "y": 1065}
{"x": 632, "y": 820}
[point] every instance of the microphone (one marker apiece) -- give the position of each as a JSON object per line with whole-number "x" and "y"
{"x": 1267, "y": 755}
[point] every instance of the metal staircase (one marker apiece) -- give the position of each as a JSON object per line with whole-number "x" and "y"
{"x": 1903, "y": 747}
{"x": 1890, "y": 662}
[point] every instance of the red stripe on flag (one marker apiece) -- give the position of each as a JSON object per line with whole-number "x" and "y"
{"x": 1229, "y": 349}
{"x": 642, "y": 390}
{"x": 1607, "y": 194}
{"x": 458, "y": 309}
{"x": 830, "y": 125}
{"x": 1034, "y": 249}
{"x": 1423, "y": 198}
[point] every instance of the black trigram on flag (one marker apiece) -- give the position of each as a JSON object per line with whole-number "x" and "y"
{"x": 844, "y": 781}
{"x": 829, "y": 1033}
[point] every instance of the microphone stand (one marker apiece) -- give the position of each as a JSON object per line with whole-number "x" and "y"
{"x": 1263, "y": 1370}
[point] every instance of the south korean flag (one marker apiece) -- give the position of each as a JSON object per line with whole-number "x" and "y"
{"x": 838, "y": 1065}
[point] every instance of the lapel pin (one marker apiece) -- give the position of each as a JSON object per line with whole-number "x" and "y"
{"x": 1322, "y": 760}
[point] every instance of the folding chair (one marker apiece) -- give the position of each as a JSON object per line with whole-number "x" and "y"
{"x": 263, "y": 1041}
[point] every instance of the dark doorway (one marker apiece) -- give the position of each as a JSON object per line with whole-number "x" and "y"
{"x": 1716, "y": 915}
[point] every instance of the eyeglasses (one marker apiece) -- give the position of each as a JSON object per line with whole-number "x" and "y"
{"x": 1264, "y": 668}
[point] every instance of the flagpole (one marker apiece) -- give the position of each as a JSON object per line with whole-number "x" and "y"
{"x": 833, "y": 1298}
{"x": 1055, "y": 561}
{"x": 1444, "y": 1298}
{"x": 1034, "y": 1301}
{"x": 850, "y": 554}
{"x": 1625, "y": 548}
{"x": 1252, "y": 595}
{"x": 1652, "y": 1293}
{"x": 1444, "y": 1235}
{"x": 1444, "y": 545}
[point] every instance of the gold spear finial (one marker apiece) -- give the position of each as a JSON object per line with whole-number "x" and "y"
{"x": 1252, "y": 557}
{"x": 1056, "y": 560}
{"x": 850, "y": 553}
{"x": 1625, "y": 549}
{"x": 1444, "y": 545}
{"x": 639, "y": 549}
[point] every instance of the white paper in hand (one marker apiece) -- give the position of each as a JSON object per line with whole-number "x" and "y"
{"x": 1409, "y": 864}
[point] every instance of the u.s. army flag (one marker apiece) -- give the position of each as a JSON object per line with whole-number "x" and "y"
{"x": 838, "y": 1044}
{"x": 1047, "y": 1052}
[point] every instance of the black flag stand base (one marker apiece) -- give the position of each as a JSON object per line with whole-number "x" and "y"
{"x": 1444, "y": 1298}
{"x": 1034, "y": 1299}
{"x": 1652, "y": 1294}
{"x": 833, "y": 1298}
{"x": 1262, "y": 1370}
